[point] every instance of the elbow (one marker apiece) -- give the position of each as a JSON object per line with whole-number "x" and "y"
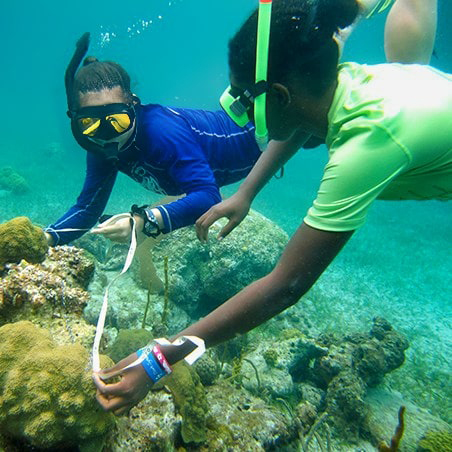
{"x": 215, "y": 195}
{"x": 290, "y": 288}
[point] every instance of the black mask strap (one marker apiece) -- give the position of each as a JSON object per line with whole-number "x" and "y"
{"x": 81, "y": 48}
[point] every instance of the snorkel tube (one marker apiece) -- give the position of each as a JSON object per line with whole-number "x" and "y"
{"x": 263, "y": 41}
{"x": 81, "y": 48}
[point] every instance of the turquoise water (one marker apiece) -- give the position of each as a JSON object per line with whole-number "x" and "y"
{"x": 398, "y": 265}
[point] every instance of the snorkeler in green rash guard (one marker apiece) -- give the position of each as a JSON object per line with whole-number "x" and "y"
{"x": 361, "y": 117}
{"x": 417, "y": 19}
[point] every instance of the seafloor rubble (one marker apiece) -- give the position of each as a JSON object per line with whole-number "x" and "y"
{"x": 284, "y": 386}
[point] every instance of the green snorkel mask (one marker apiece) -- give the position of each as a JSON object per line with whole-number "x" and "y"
{"x": 237, "y": 103}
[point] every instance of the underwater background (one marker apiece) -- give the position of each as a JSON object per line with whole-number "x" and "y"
{"x": 397, "y": 266}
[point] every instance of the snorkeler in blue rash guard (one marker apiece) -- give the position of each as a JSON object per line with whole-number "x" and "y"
{"x": 172, "y": 151}
{"x": 175, "y": 151}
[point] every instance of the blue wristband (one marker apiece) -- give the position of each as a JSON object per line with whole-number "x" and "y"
{"x": 151, "y": 364}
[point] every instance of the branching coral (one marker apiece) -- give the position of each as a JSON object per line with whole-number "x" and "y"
{"x": 395, "y": 440}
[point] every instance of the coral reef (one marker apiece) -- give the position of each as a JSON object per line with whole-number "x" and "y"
{"x": 235, "y": 420}
{"x": 46, "y": 393}
{"x": 207, "y": 369}
{"x": 239, "y": 421}
{"x": 280, "y": 366}
{"x": 11, "y": 181}
{"x": 395, "y": 440}
{"x": 190, "y": 401}
{"x": 357, "y": 362}
{"x": 436, "y": 441}
{"x": 55, "y": 286}
{"x": 127, "y": 342}
{"x": 382, "y": 406}
{"x": 19, "y": 239}
{"x": 332, "y": 373}
{"x": 202, "y": 276}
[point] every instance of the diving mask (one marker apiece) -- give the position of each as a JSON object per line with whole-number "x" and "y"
{"x": 238, "y": 104}
{"x": 104, "y": 130}
{"x": 104, "y": 122}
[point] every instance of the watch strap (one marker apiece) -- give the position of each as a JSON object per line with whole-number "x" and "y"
{"x": 151, "y": 227}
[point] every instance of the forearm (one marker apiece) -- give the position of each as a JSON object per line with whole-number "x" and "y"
{"x": 271, "y": 160}
{"x": 306, "y": 256}
{"x": 248, "y": 309}
{"x": 251, "y": 307}
{"x": 77, "y": 218}
{"x": 185, "y": 211}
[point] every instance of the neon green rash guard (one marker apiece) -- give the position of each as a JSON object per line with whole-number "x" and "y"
{"x": 389, "y": 137}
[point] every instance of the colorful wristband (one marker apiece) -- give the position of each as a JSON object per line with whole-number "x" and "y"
{"x": 164, "y": 364}
{"x": 151, "y": 364}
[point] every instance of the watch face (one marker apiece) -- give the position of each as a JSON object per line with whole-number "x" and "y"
{"x": 149, "y": 228}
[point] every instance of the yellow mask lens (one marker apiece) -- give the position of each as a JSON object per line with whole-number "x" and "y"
{"x": 119, "y": 121}
{"x": 89, "y": 125}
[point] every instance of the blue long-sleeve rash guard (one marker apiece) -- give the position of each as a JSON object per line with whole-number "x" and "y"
{"x": 176, "y": 151}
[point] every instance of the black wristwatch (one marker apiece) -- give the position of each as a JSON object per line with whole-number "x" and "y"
{"x": 151, "y": 226}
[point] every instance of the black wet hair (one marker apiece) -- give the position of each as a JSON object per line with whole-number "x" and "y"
{"x": 97, "y": 75}
{"x": 301, "y": 42}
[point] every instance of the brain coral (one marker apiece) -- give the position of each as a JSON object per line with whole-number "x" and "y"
{"x": 19, "y": 239}
{"x": 46, "y": 392}
{"x": 12, "y": 181}
{"x": 436, "y": 441}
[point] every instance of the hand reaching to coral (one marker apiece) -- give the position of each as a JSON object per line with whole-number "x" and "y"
{"x": 122, "y": 396}
{"x": 235, "y": 208}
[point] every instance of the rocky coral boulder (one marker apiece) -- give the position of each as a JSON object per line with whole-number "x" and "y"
{"x": 46, "y": 393}
{"x": 202, "y": 276}
{"x": 355, "y": 363}
{"x": 51, "y": 289}
{"x": 232, "y": 419}
{"x": 19, "y": 239}
{"x": 336, "y": 371}
{"x": 275, "y": 368}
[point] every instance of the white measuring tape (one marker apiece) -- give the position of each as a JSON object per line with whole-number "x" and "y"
{"x": 103, "y": 310}
{"x": 190, "y": 358}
